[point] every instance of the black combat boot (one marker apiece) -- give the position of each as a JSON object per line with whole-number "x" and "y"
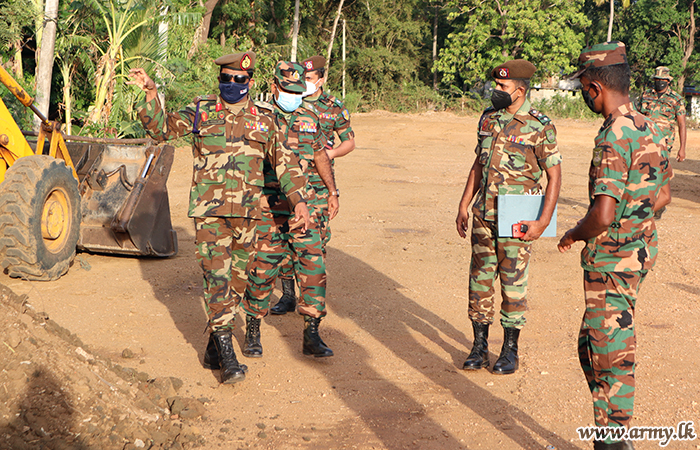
{"x": 508, "y": 360}
{"x": 288, "y": 301}
{"x": 313, "y": 344}
{"x": 479, "y": 356}
{"x": 211, "y": 356}
{"x": 231, "y": 371}
{"x": 252, "y": 347}
{"x": 624, "y": 445}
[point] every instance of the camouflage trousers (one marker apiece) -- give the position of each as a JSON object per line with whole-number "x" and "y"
{"x": 607, "y": 343}
{"x": 277, "y": 235}
{"x": 224, "y": 246}
{"x": 321, "y": 206}
{"x": 492, "y": 257}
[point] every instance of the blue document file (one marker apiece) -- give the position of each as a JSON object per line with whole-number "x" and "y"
{"x": 513, "y": 208}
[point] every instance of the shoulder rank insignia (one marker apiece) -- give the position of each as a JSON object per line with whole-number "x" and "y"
{"x": 544, "y": 120}
{"x": 597, "y": 156}
{"x": 338, "y": 102}
{"x": 257, "y": 126}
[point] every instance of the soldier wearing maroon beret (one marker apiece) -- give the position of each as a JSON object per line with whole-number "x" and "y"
{"x": 517, "y": 146}
{"x": 232, "y": 138}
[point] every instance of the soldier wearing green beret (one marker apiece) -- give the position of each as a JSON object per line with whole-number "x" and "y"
{"x": 628, "y": 181}
{"x": 517, "y": 145}
{"x": 334, "y": 119}
{"x": 232, "y": 137}
{"x": 277, "y": 235}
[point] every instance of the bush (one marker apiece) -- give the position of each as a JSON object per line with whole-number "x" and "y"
{"x": 565, "y": 107}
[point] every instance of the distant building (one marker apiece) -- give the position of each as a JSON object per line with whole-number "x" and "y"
{"x": 692, "y": 101}
{"x": 564, "y": 88}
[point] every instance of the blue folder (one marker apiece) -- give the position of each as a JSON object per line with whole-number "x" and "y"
{"x": 513, "y": 208}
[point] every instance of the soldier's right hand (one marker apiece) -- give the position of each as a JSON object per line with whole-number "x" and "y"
{"x": 462, "y": 223}
{"x": 140, "y": 79}
{"x": 301, "y": 212}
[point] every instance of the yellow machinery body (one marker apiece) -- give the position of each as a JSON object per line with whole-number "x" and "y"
{"x": 101, "y": 195}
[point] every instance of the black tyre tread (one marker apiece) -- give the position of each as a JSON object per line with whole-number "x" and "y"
{"x": 18, "y": 248}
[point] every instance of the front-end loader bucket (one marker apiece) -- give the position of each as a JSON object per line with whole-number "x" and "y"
{"x": 124, "y": 197}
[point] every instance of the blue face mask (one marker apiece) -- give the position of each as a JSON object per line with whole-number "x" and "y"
{"x": 288, "y": 102}
{"x": 233, "y": 92}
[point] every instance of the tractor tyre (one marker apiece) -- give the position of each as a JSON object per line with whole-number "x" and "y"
{"x": 39, "y": 218}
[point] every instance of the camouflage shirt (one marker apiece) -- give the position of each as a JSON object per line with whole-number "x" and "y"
{"x": 301, "y": 132}
{"x": 630, "y": 164}
{"x": 333, "y": 115}
{"x": 229, "y": 150}
{"x": 663, "y": 109}
{"x": 513, "y": 156}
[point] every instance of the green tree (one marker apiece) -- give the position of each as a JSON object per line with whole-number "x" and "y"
{"x": 662, "y": 32}
{"x": 548, "y": 33}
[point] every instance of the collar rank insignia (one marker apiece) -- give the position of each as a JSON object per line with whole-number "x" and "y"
{"x": 254, "y": 110}
{"x": 307, "y": 127}
{"x": 219, "y": 107}
{"x": 257, "y": 126}
{"x": 516, "y": 140}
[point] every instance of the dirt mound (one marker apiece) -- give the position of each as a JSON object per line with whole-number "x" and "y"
{"x": 57, "y": 394}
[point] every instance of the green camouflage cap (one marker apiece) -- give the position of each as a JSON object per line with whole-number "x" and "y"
{"x": 663, "y": 73}
{"x": 601, "y": 55}
{"x": 289, "y": 76}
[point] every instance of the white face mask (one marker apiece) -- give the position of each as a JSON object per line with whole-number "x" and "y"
{"x": 310, "y": 89}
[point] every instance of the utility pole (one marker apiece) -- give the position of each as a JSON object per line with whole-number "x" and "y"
{"x": 343, "y": 58}
{"x": 45, "y": 67}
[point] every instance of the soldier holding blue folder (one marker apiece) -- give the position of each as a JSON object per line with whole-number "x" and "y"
{"x": 516, "y": 146}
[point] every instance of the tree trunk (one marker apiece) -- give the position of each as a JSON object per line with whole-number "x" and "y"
{"x": 610, "y": 22}
{"x": 206, "y": 20}
{"x": 67, "y": 101}
{"x": 335, "y": 27}
{"x": 39, "y": 29}
{"x": 687, "y": 44}
{"x": 17, "y": 67}
{"x": 45, "y": 68}
{"x": 435, "y": 33}
{"x": 295, "y": 31}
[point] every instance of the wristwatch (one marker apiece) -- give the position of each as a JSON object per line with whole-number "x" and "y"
{"x": 336, "y": 193}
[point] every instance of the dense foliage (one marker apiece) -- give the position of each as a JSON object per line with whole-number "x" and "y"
{"x": 389, "y": 58}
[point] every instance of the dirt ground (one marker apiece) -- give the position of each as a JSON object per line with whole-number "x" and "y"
{"x": 397, "y": 322}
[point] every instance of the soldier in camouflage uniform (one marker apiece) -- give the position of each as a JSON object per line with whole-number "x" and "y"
{"x": 516, "y": 146}
{"x": 628, "y": 181}
{"x": 232, "y": 137}
{"x": 334, "y": 119}
{"x": 665, "y": 107}
{"x": 276, "y": 233}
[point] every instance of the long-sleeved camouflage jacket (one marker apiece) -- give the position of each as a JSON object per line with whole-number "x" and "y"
{"x": 302, "y": 133}
{"x": 514, "y": 157}
{"x": 229, "y": 151}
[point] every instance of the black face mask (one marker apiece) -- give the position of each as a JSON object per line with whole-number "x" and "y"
{"x": 660, "y": 85}
{"x": 501, "y": 99}
{"x": 590, "y": 101}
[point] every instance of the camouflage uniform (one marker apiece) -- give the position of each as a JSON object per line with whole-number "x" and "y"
{"x": 664, "y": 110}
{"x": 227, "y": 183}
{"x": 278, "y": 234}
{"x": 514, "y": 154}
{"x": 630, "y": 164}
{"x": 333, "y": 118}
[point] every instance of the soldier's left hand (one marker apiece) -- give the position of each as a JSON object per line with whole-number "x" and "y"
{"x": 333, "y": 206}
{"x": 301, "y": 212}
{"x": 534, "y": 229}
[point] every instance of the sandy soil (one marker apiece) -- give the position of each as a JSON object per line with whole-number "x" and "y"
{"x": 397, "y": 299}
